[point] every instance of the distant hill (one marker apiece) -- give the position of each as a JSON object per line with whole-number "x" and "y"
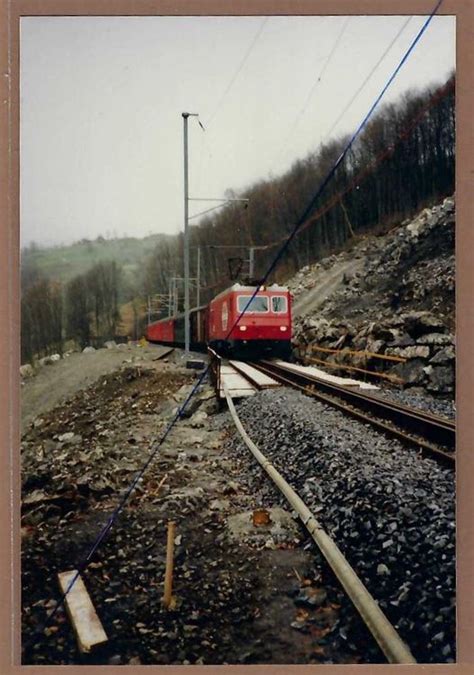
{"x": 62, "y": 263}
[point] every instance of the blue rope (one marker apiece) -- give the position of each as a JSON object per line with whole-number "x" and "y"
{"x": 156, "y": 446}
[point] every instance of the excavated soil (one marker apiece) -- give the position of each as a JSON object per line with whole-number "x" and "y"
{"x": 264, "y": 599}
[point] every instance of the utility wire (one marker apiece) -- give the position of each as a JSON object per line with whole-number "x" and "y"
{"x": 353, "y": 98}
{"x": 156, "y": 446}
{"x": 349, "y": 145}
{"x": 224, "y": 94}
{"x": 360, "y": 177}
{"x": 314, "y": 86}
{"x": 238, "y": 70}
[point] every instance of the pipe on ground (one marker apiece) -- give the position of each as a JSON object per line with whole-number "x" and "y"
{"x": 382, "y": 630}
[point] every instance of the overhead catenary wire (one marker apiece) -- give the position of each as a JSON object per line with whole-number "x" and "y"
{"x": 350, "y": 143}
{"x": 366, "y": 79}
{"x": 162, "y": 438}
{"x": 358, "y": 179}
{"x": 314, "y": 86}
{"x": 226, "y": 91}
{"x": 238, "y": 70}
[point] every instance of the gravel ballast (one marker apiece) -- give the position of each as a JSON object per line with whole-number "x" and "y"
{"x": 390, "y": 511}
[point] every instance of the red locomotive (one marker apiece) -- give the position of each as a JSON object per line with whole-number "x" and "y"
{"x": 264, "y": 329}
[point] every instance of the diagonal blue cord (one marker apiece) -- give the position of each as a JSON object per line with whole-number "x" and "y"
{"x": 155, "y": 447}
{"x": 343, "y": 154}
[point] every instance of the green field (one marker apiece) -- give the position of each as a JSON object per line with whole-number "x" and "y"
{"x": 62, "y": 263}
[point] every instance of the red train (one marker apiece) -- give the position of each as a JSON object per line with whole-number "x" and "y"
{"x": 264, "y": 329}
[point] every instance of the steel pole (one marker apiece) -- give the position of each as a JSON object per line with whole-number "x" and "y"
{"x": 198, "y": 277}
{"x": 251, "y": 262}
{"x": 186, "y": 236}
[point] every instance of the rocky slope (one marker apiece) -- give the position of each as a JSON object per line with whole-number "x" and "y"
{"x": 400, "y": 303}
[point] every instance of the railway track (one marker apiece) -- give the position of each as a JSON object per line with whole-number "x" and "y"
{"x": 432, "y": 435}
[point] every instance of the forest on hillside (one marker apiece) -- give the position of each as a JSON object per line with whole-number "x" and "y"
{"x": 403, "y": 160}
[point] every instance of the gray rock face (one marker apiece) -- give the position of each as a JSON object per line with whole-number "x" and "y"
{"x": 444, "y": 355}
{"x": 435, "y": 339}
{"x": 420, "y": 323}
{"x": 415, "y": 352}
{"x": 401, "y": 304}
{"x": 440, "y": 378}
{"x": 411, "y": 372}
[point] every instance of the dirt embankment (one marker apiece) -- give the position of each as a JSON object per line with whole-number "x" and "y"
{"x": 51, "y": 384}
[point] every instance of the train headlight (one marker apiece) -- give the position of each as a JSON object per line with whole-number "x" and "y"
{"x": 242, "y": 327}
{"x": 283, "y": 328}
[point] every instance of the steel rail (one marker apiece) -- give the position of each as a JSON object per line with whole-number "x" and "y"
{"x": 380, "y": 627}
{"x": 307, "y": 384}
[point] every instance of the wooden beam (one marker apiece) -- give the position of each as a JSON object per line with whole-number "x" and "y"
{"x": 339, "y": 366}
{"x": 85, "y": 622}
{"x": 384, "y": 357}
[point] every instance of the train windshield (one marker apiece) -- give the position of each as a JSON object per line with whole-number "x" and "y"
{"x": 258, "y": 304}
{"x": 279, "y": 304}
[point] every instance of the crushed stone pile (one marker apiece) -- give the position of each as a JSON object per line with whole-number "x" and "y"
{"x": 400, "y": 304}
{"x": 390, "y": 511}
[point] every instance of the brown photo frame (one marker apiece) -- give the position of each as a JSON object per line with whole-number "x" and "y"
{"x": 10, "y": 13}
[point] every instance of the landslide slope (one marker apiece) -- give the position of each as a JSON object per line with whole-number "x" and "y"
{"x": 397, "y": 298}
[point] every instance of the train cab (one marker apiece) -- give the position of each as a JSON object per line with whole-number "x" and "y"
{"x": 248, "y": 324}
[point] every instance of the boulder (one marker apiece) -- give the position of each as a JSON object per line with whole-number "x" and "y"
{"x": 110, "y": 344}
{"x": 401, "y": 340}
{"x": 440, "y": 379}
{"x": 45, "y": 361}
{"x": 88, "y": 350}
{"x": 27, "y": 370}
{"x": 375, "y": 346}
{"x": 435, "y": 339}
{"x": 411, "y": 372}
{"x": 421, "y": 323}
{"x": 415, "y": 352}
{"x": 198, "y": 419}
{"x": 444, "y": 355}
{"x": 69, "y": 435}
{"x": 381, "y": 332}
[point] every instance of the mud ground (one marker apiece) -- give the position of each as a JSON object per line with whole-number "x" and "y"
{"x": 54, "y": 383}
{"x": 240, "y": 600}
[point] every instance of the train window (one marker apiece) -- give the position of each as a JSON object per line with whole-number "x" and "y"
{"x": 258, "y": 304}
{"x": 279, "y": 304}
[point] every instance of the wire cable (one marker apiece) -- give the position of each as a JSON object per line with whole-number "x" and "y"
{"x": 350, "y": 143}
{"x": 234, "y": 77}
{"x": 314, "y": 86}
{"x": 353, "y": 98}
{"x": 238, "y": 70}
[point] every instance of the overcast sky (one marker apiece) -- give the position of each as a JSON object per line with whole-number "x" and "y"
{"x": 101, "y": 104}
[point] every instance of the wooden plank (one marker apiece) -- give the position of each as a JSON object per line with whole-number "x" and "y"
{"x": 339, "y": 366}
{"x": 237, "y": 393}
{"x": 85, "y": 622}
{"x": 237, "y": 385}
{"x": 261, "y": 380}
{"x": 317, "y": 372}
